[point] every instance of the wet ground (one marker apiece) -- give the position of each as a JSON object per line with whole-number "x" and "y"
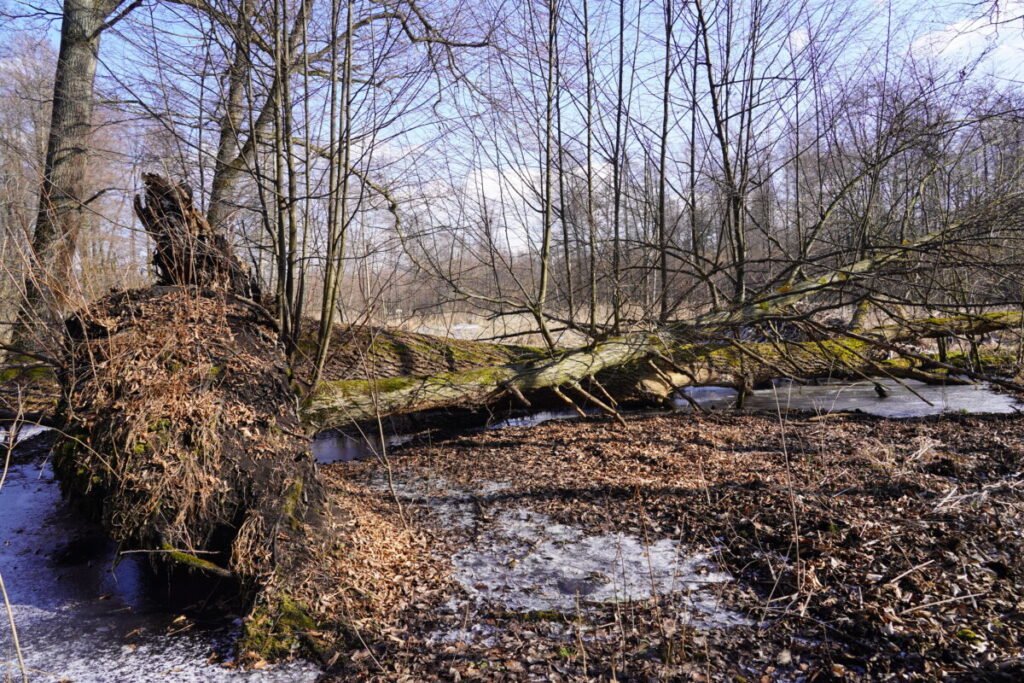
{"x": 703, "y": 546}
{"x": 80, "y": 617}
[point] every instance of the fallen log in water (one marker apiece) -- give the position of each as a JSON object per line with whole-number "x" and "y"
{"x": 646, "y": 368}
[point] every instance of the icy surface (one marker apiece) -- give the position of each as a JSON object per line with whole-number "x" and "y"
{"x": 81, "y": 619}
{"x": 521, "y": 560}
{"x": 23, "y": 433}
{"x": 539, "y": 417}
{"x": 830, "y": 397}
{"x": 527, "y": 562}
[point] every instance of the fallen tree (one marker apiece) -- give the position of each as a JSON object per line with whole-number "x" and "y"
{"x": 189, "y": 441}
{"x": 648, "y": 368}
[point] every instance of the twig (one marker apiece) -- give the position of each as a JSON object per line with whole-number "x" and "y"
{"x": 598, "y": 402}
{"x": 14, "y": 631}
{"x": 941, "y": 602}
{"x": 895, "y": 579}
{"x": 561, "y": 394}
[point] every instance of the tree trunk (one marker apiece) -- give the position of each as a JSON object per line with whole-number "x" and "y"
{"x": 62, "y": 195}
{"x": 646, "y": 368}
{"x": 221, "y": 189}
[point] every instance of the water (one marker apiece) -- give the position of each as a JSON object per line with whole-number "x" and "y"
{"x": 79, "y": 617}
{"x": 831, "y": 397}
{"x": 823, "y": 397}
{"x": 521, "y": 560}
{"x": 339, "y": 447}
{"x": 540, "y": 417}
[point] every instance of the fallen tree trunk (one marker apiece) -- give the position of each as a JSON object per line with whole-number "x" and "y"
{"x": 643, "y": 367}
{"x": 653, "y": 365}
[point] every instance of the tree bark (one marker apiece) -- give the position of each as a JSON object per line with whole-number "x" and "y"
{"x": 646, "y": 368}
{"x": 62, "y": 194}
{"x": 221, "y": 189}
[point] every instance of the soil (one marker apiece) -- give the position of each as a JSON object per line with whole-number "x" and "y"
{"x": 859, "y": 549}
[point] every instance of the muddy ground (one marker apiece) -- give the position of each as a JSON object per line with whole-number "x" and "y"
{"x": 844, "y": 548}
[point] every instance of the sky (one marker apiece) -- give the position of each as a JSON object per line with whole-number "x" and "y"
{"x": 941, "y": 30}
{"x": 997, "y": 38}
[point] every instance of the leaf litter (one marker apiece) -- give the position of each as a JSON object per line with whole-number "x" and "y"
{"x": 846, "y": 548}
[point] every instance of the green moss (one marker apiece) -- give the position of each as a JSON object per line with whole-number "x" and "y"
{"x": 292, "y": 504}
{"x": 33, "y": 374}
{"x": 362, "y": 387}
{"x": 279, "y": 630}
{"x": 190, "y": 560}
{"x": 991, "y": 359}
{"x": 969, "y": 636}
{"x": 484, "y": 375}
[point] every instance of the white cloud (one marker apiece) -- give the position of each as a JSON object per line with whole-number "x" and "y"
{"x": 799, "y": 39}
{"x": 1001, "y": 44}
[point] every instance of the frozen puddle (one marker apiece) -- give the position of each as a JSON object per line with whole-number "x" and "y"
{"x": 78, "y": 618}
{"x": 908, "y": 398}
{"x": 520, "y": 560}
{"x": 529, "y": 563}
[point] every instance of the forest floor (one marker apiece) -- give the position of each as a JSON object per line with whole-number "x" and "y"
{"x": 740, "y": 547}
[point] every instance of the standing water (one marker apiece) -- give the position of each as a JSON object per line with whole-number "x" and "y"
{"x": 910, "y": 398}
{"x": 81, "y": 618}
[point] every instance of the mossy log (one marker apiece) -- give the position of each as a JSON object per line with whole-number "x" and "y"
{"x": 369, "y": 352}
{"x": 642, "y": 367}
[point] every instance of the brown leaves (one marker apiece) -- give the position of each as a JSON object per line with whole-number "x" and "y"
{"x": 846, "y": 542}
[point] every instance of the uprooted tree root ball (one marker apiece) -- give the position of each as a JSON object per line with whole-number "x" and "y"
{"x": 188, "y": 447}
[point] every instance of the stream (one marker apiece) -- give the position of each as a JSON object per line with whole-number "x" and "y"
{"x": 82, "y": 618}
{"x": 903, "y": 399}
